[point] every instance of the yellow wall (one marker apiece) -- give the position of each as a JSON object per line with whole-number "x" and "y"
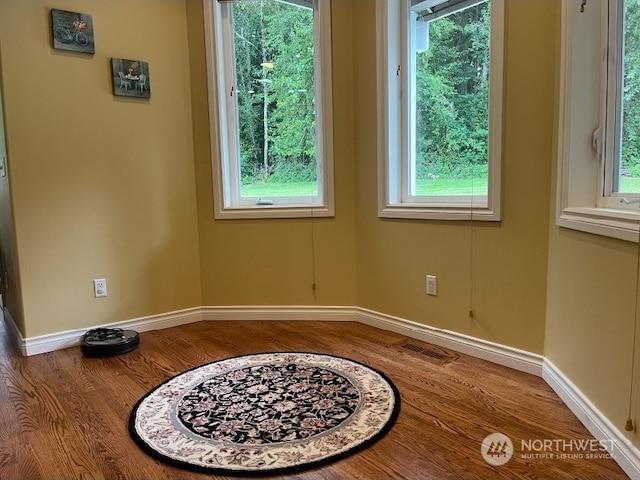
{"x": 510, "y": 257}
{"x": 102, "y": 186}
{"x": 590, "y": 316}
{"x": 270, "y": 262}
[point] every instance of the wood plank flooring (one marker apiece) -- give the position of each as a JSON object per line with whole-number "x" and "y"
{"x": 64, "y": 416}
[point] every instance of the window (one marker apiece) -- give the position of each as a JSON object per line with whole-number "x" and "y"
{"x": 440, "y": 72}
{"x": 621, "y": 115}
{"x": 269, "y": 71}
{"x": 599, "y": 139}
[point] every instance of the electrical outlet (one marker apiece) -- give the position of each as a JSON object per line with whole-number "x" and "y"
{"x": 100, "y": 287}
{"x": 432, "y": 285}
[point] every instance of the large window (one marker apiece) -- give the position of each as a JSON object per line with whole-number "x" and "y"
{"x": 441, "y": 109}
{"x": 270, "y": 96}
{"x": 599, "y": 138}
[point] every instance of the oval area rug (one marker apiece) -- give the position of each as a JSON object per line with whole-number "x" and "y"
{"x": 265, "y": 413}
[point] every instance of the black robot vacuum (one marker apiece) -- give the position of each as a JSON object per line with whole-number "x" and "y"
{"x": 104, "y": 342}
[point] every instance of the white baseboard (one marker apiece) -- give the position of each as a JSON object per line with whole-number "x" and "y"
{"x": 288, "y": 313}
{"x": 71, "y": 338}
{"x": 623, "y": 451}
{"x": 493, "y": 352}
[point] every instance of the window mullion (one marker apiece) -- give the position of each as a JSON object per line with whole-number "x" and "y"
{"x": 229, "y": 90}
{"x": 323, "y": 143}
{"x": 612, "y": 106}
{"x": 408, "y": 108}
{"x": 608, "y": 102}
{"x": 618, "y": 85}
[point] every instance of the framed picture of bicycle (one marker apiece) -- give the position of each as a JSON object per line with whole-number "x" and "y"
{"x": 72, "y": 31}
{"x": 130, "y": 78}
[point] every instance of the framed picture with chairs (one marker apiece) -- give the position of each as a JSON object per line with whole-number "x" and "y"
{"x": 130, "y": 78}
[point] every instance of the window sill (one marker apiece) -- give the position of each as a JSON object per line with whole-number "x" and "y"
{"x": 435, "y": 213}
{"x": 272, "y": 211}
{"x": 609, "y": 222}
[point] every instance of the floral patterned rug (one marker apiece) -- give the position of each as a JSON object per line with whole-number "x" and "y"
{"x": 265, "y": 413}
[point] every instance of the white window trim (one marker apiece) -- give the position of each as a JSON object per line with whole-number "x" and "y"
{"x": 223, "y": 207}
{"x": 611, "y": 117}
{"x": 574, "y": 209}
{"x": 390, "y": 127}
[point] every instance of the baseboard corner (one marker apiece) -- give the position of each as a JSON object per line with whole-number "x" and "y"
{"x": 493, "y": 352}
{"x": 622, "y": 451}
{"x": 71, "y": 338}
{"x": 15, "y": 336}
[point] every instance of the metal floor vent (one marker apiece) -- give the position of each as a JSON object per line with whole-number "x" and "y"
{"x": 440, "y": 355}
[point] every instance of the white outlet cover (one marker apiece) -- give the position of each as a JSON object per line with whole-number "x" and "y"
{"x": 432, "y": 285}
{"x": 100, "y": 287}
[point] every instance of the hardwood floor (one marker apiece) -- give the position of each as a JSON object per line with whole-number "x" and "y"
{"x": 64, "y": 416}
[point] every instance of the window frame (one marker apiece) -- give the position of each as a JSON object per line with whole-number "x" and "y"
{"x": 394, "y": 124}
{"x": 223, "y": 124}
{"x": 585, "y": 200}
{"x": 611, "y": 115}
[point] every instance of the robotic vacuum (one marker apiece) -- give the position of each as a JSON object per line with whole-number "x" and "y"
{"x": 104, "y": 342}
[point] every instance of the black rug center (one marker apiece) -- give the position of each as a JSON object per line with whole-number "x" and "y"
{"x": 268, "y": 404}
